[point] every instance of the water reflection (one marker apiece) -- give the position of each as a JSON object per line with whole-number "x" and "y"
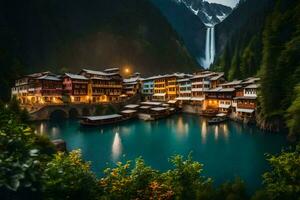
{"x": 116, "y": 147}
{"x": 216, "y": 132}
{"x": 54, "y": 131}
{"x": 225, "y": 131}
{"x": 203, "y": 132}
{"x": 182, "y": 128}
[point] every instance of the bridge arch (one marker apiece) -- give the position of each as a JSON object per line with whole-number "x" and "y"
{"x": 73, "y": 113}
{"x": 86, "y": 111}
{"x": 58, "y": 114}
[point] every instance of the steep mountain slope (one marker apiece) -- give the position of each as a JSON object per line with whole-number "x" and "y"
{"x": 239, "y": 35}
{"x": 263, "y": 38}
{"x": 188, "y": 17}
{"x": 187, "y": 25}
{"x": 209, "y": 13}
{"x": 51, "y": 35}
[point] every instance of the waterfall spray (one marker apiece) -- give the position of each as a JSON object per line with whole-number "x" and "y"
{"x": 209, "y": 47}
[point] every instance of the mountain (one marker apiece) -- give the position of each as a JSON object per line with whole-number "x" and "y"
{"x": 262, "y": 38}
{"x": 190, "y": 19}
{"x": 242, "y": 30}
{"x": 57, "y": 35}
{"x": 209, "y": 13}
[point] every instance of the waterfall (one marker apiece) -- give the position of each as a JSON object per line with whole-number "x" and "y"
{"x": 209, "y": 47}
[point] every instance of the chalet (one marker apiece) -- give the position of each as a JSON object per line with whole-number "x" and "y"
{"x": 132, "y": 85}
{"x": 103, "y": 86}
{"x": 76, "y": 87}
{"x": 218, "y": 100}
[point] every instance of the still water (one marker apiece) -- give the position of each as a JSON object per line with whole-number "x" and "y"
{"x": 226, "y": 150}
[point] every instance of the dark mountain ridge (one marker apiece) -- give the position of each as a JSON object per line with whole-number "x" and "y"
{"x": 38, "y": 35}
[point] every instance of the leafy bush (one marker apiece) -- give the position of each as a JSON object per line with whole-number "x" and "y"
{"x": 283, "y": 180}
{"x": 67, "y": 176}
{"x": 21, "y": 158}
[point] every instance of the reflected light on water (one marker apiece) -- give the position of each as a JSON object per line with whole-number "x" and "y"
{"x": 225, "y": 131}
{"x": 216, "y": 132}
{"x": 203, "y": 132}
{"x": 54, "y": 131}
{"x": 42, "y": 129}
{"x": 182, "y": 128}
{"x": 116, "y": 147}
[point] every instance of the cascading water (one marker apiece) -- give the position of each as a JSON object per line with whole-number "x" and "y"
{"x": 209, "y": 47}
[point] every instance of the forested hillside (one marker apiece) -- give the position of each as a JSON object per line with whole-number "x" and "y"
{"x": 37, "y": 35}
{"x": 266, "y": 42}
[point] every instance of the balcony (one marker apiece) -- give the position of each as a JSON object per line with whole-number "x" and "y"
{"x": 106, "y": 86}
{"x": 246, "y": 106}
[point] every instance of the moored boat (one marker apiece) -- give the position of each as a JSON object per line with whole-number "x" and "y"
{"x": 104, "y": 119}
{"x": 217, "y": 120}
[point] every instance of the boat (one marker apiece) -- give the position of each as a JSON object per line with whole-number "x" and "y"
{"x": 105, "y": 119}
{"x": 217, "y": 120}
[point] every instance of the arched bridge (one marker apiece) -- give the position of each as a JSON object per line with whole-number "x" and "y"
{"x": 78, "y": 110}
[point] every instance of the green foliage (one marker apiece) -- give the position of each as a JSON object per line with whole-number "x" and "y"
{"x": 283, "y": 181}
{"x": 293, "y": 114}
{"x": 265, "y": 41}
{"x": 22, "y": 158}
{"x": 280, "y": 70}
{"x": 235, "y": 190}
{"x": 185, "y": 178}
{"x": 67, "y": 176}
{"x": 140, "y": 182}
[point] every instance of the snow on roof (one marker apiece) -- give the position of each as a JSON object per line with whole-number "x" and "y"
{"x": 202, "y": 75}
{"x": 183, "y": 98}
{"x": 131, "y": 80}
{"x": 48, "y": 77}
{"x": 235, "y": 82}
{"x": 197, "y": 98}
{"x": 103, "y": 117}
{"x": 183, "y": 80}
{"x": 172, "y": 101}
{"x": 145, "y": 107}
{"x": 158, "y": 109}
{"x": 75, "y": 76}
{"x": 245, "y": 110}
{"x": 221, "y": 115}
{"x": 219, "y": 75}
{"x": 217, "y": 89}
{"x": 132, "y": 106}
{"x": 151, "y": 103}
{"x": 251, "y": 80}
{"x": 227, "y": 90}
{"x": 128, "y": 111}
{"x": 252, "y": 86}
{"x": 112, "y": 69}
{"x": 159, "y": 94}
{"x": 94, "y": 72}
{"x": 245, "y": 98}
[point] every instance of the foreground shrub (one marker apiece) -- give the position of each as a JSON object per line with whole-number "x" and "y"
{"x": 283, "y": 180}
{"x": 67, "y": 176}
{"x": 21, "y": 159}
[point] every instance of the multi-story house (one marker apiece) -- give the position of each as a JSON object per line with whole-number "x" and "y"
{"x": 21, "y": 89}
{"x": 76, "y": 88}
{"x": 45, "y": 89}
{"x": 132, "y": 85}
{"x": 200, "y": 83}
{"x": 185, "y": 90}
{"x": 148, "y": 87}
{"x": 246, "y": 104}
{"x": 103, "y": 86}
{"x": 218, "y": 100}
{"x": 160, "y": 89}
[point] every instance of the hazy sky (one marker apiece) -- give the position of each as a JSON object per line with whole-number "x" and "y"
{"x": 230, "y": 3}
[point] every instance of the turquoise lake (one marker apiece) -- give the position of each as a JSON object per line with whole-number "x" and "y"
{"x": 226, "y": 150}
